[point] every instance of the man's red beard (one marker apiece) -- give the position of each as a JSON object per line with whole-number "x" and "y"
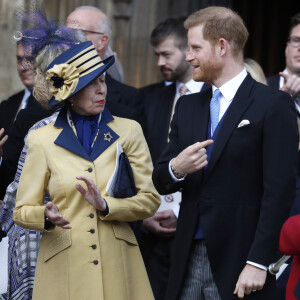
{"x": 207, "y": 71}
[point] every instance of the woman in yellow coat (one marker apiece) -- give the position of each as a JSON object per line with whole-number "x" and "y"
{"x": 88, "y": 250}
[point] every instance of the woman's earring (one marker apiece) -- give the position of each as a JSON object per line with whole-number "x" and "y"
{"x": 72, "y": 104}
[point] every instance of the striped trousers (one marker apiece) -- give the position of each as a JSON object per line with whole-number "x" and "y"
{"x": 199, "y": 283}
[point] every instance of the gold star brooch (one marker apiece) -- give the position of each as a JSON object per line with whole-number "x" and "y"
{"x": 107, "y": 137}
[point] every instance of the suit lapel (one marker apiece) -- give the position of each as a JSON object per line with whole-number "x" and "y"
{"x": 201, "y": 110}
{"x": 165, "y": 103}
{"x": 106, "y": 136}
{"x": 205, "y": 86}
{"x": 113, "y": 92}
{"x": 234, "y": 113}
{"x": 68, "y": 140}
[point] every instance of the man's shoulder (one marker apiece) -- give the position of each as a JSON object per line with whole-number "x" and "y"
{"x": 115, "y": 84}
{"x": 122, "y": 110}
{"x": 203, "y": 94}
{"x": 120, "y": 92}
{"x": 273, "y": 81}
{"x": 152, "y": 87}
{"x": 269, "y": 97}
{"x": 163, "y": 95}
{"x": 267, "y": 89}
{"x": 159, "y": 90}
{"x": 14, "y": 99}
{"x": 29, "y": 116}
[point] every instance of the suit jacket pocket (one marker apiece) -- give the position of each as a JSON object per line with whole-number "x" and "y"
{"x": 57, "y": 244}
{"x": 123, "y": 231}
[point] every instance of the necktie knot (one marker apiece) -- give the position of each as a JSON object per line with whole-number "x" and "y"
{"x": 215, "y": 110}
{"x": 217, "y": 94}
{"x": 183, "y": 90}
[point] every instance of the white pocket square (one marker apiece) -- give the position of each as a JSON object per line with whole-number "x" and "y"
{"x": 243, "y": 123}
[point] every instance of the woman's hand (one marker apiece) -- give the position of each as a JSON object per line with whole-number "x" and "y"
{"x": 92, "y": 194}
{"x": 54, "y": 216}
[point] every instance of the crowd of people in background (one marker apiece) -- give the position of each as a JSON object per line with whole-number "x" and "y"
{"x": 207, "y": 185}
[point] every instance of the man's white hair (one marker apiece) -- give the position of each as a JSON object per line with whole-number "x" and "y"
{"x": 104, "y": 24}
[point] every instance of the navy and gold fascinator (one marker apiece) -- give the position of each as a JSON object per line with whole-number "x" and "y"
{"x": 74, "y": 69}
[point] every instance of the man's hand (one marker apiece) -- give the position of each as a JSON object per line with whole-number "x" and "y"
{"x": 2, "y": 140}
{"x": 250, "y": 280}
{"x": 291, "y": 84}
{"x": 168, "y": 218}
{"x": 163, "y": 223}
{"x": 192, "y": 158}
{"x": 92, "y": 194}
{"x": 54, "y": 216}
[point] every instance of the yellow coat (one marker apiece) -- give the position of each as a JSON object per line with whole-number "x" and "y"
{"x": 99, "y": 257}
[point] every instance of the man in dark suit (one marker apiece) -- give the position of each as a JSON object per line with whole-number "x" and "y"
{"x": 3, "y": 139}
{"x": 9, "y": 112}
{"x": 289, "y": 80}
{"x": 10, "y": 107}
{"x": 232, "y": 208}
{"x": 13, "y": 147}
{"x": 169, "y": 41}
{"x": 122, "y": 100}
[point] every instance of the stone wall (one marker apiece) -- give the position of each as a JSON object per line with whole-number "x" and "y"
{"x": 9, "y": 78}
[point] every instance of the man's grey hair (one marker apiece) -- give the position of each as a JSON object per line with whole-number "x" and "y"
{"x": 104, "y": 24}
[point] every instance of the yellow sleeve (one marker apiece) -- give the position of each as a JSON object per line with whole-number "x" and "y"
{"x": 147, "y": 200}
{"x": 30, "y": 209}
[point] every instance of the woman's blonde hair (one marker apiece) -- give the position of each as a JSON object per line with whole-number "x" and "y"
{"x": 42, "y": 86}
{"x": 255, "y": 70}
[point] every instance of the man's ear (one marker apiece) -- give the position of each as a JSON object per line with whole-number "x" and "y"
{"x": 222, "y": 46}
{"x": 103, "y": 41}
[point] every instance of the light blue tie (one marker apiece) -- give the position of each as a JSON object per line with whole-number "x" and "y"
{"x": 215, "y": 110}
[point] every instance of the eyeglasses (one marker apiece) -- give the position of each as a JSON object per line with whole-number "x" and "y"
{"x": 25, "y": 61}
{"x": 294, "y": 41}
{"x": 89, "y": 31}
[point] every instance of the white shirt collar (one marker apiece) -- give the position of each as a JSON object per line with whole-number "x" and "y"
{"x": 230, "y": 88}
{"x": 25, "y": 98}
{"x": 192, "y": 85}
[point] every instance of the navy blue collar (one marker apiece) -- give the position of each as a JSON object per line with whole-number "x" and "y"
{"x": 68, "y": 140}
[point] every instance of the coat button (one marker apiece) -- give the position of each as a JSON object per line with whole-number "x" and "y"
{"x": 91, "y": 215}
{"x": 92, "y": 230}
{"x": 94, "y": 247}
{"x": 90, "y": 170}
{"x": 95, "y": 262}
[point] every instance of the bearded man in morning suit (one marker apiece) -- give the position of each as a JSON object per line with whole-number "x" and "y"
{"x": 237, "y": 192}
{"x": 169, "y": 41}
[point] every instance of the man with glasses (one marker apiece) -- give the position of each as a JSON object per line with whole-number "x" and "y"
{"x": 122, "y": 100}
{"x": 289, "y": 81}
{"x": 9, "y": 110}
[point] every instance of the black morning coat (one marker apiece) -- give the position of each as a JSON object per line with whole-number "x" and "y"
{"x": 244, "y": 195}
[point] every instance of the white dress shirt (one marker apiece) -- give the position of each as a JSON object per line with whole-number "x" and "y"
{"x": 25, "y": 99}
